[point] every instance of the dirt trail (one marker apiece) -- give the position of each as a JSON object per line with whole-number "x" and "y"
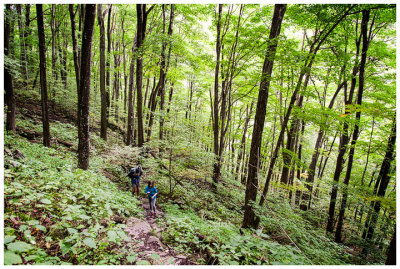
{"x": 146, "y": 234}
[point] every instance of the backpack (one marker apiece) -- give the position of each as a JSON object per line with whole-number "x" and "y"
{"x": 132, "y": 172}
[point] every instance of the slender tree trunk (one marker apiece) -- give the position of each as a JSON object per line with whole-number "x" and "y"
{"x": 141, "y": 33}
{"x": 391, "y": 252}
{"x": 364, "y": 33}
{"x": 103, "y": 92}
{"x": 9, "y": 98}
{"x": 170, "y": 31}
{"x": 216, "y": 167}
{"x": 27, "y": 32}
{"x": 24, "y": 63}
{"x": 344, "y": 140}
{"x": 53, "y": 49}
{"x": 252, "y": 177}
{"x": 85, "y": 74}
{"x": 43, "y": 82}
{"x": 131, "y": 101}
{"x": 384, "y": 179}
{"x": 243, "y": 143}
{"x": 75, "y": 54}
{"x": 108, "y": 59}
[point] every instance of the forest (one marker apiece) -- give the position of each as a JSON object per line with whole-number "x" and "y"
{"x": 266, "y": 131}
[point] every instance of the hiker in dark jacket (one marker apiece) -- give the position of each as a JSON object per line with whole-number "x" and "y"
{"x": 134, "y": 175}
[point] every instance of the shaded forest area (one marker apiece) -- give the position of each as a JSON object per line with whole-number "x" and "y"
{"x": 273, "y": 125}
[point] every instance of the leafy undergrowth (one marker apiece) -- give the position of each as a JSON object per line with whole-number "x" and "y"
{"x": 200, "y": 221}
{"x": 57, "y": 214}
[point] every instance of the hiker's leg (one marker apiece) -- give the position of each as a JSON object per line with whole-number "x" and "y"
{"x": 153, "y": 205}
{"x": 138, "y": 190}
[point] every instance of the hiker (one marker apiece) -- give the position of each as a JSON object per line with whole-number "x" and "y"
{"x": 151, "y": 191}
{"x": 134, "y": 175}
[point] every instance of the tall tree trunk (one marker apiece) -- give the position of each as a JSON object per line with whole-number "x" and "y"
{"x": 27, "y": 32}
{"x": 384, "y": 179}
{"x": 170, "y": 31}
{"x": 53, "y": 49}
{"x": 243, "y": 142}
{"x": 141, "y": 34}
{"x": 103, "y": 92}
{"x": 391, "y": 252}
{"x": 85, "y": 72}
{"x": 344, "y": 140}
{"x": 43, "y": 82}
{"x": 75, "y": 54}
{"x": 24, "y": 63}
{"x": 252, "y": 177}
{"x": 9, "y": 98}
{"x": 364, "y": 33}
{"x": 304, "y": 71}
{"x": 130, "y": 124}
{"x": 108, "y": 59}
{"x": 216, "y": 167}
{"x": 23, "y": 57}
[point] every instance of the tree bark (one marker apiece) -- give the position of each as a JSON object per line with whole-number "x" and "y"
{"x": 243, "y": 143}
{"x": 391, "y": 252}
{"x": 43, "y": 82}
{"x": 344, "y": 140}
{"x": 9, "y": 98}
{"x": 24, "y": 63}
{"x": 384, "y": 179}
{"x": 252, "y": 178}
{"x": 85, "y": 72}
{"x": 103, "y": 92}
{"x": 53, "y": 50}
{"x": 170, "y": 31}
{"x": 364, "y": 33}
{"x": 108, "y": 59}
{"x": 141, "y": 34}
{"x": 216, "y": 167}
{"x": 75, "y": 54}
{"x": 131, "y": 106}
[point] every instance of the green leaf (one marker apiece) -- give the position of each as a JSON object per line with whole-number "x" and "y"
{"x": 72, "y": 230}
{"x": 41, "y": 228}
{"x": 33, "y": 222}
{"x": 9, "y": 239}
{"x": 143, "y": 262}
{"x": 46, "y": 201}
{"x": 11, "y": 258}
{"x": 155, "y": 256}
{"x": 19, "y": 246}
{"x": 131, "y": 258}
{"x": 89, "y": 242}
{"x": 123, "y": 235}
{"x": 112, "y": 236}
{"x": 65, "y": 247}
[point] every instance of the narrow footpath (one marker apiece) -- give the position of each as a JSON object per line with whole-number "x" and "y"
{"x": 146, "y": 240}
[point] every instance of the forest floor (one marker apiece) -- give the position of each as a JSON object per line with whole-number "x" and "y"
{"x": 150, "y": 246}
{"x": 144, "y": 241}
{"x": 55, "y": 213}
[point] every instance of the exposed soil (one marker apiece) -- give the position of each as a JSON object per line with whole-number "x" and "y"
{"x": 146, "y": 240}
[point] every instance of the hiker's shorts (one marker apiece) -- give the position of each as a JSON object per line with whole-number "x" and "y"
{"x": 135, "y": 183}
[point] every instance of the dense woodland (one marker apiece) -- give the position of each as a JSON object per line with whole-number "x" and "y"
{"x": 270, "y": 131}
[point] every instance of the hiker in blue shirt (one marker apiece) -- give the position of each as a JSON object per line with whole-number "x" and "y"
{"x": 151, "y": 191}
